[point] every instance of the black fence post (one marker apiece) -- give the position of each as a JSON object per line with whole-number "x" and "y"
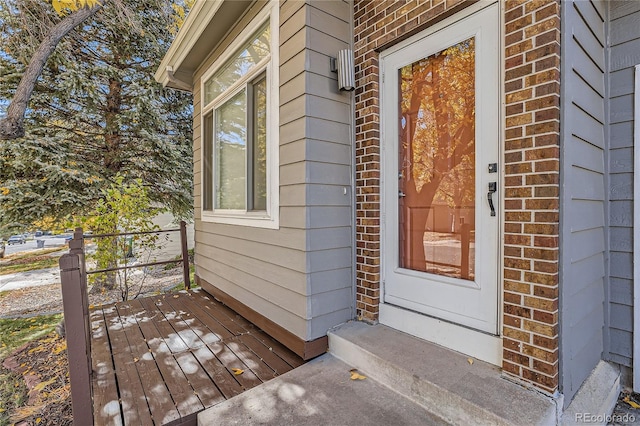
{"x": 185, "y": 254}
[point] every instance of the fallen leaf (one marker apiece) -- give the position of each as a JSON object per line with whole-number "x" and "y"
{"x": 355, "y": 375}
{"x": 38, "y": 420}
{"x": 136, "y": 359}
{"x": 470, "y": 361}
{"x": 633, "y": 404}
{"x": 43, "y": 385}
{"x": 60, "y": 348}
{"x": 237, "y": 371}
{"x": 176, "y": 296}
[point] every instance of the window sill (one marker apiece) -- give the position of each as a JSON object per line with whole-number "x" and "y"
{"x": 254, "y": 220}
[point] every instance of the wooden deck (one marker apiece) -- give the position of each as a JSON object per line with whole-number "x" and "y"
{"x": 163, "y": 359}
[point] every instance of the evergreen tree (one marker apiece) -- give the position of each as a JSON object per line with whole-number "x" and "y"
{"x": 95, "y": 112}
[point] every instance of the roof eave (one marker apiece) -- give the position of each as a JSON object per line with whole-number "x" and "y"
{"x": 170, "y": 73}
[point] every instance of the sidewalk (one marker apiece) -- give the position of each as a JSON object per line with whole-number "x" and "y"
{"x": 29, "y": 279}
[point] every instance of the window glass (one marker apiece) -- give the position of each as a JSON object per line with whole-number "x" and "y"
{"x": 259, "y": 159}
{"x": 230, "y": 153}
{"x": 207, "y": 159}
{"x": 236, "y": 180}
{"x": 237, "y": 67}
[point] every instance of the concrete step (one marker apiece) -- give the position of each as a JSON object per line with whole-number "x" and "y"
{"x": 441, "y": 380}
{"x": 319, "y": 392}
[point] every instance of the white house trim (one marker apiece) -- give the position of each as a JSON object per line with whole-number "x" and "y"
{"x": 197, "y": 20}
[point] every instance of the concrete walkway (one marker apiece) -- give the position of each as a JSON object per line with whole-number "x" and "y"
{"x": 319, "y": 393}
{"x": 409, "y": 382}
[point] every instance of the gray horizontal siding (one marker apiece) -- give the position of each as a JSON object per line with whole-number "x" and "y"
{"x": 584, "y": 193}
{"x": 624, "y": 39}
{"x": 325, "y": 114}
{"x": 299, "y": 276}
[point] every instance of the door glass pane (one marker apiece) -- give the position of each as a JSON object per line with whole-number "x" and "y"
{"x": 259, "y": 159}
{"x": 230, "y": 155}
{"x": 437, "y": 163}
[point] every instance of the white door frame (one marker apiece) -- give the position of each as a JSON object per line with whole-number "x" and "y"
{"x": 484, "y": 346}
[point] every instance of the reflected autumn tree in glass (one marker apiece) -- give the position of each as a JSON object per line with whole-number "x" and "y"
{"x": 437, "y": 163}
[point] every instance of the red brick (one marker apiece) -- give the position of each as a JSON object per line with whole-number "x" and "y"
{"x": 538, "y": 278}
{"x": 524, "y": 70}
{"x": 515, "y": 357}
{"x": 517, "y": 287}
{"x": 511, "y": 368}
{"x": 540, "y": 303}
{"x": 545, "y": 292}
{"x": 518, "y": 24}
{"x": 545, "y": 367}
{"x": 550, "y": 343}
{"x": 547, "y": 382}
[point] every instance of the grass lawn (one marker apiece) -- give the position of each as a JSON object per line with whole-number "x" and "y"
{"x": 37, "y": 259}
{"x": 13, "y": 393}
{"x": 13, "y": 334}
{"x": 16, "y": 332}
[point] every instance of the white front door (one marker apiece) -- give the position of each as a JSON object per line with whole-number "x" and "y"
{"x": 440, "y": 119}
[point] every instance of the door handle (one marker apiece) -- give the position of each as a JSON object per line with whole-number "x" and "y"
{"x": 493, "y": 187}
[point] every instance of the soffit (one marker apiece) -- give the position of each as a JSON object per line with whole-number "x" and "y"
{"x": 205, "y": 27}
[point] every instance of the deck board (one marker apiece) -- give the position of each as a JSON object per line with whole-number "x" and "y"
{"x": 158, "y": 396}
{"x": 132, "y": 399}
{"x": 105, "y": 393}
{"x": 162, "y": 359}
{"x": 178, "y": 385}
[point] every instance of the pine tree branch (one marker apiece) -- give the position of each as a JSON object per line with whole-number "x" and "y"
{"x": 12, "y": 126}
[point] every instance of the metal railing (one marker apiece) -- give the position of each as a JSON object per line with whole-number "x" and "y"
{"x": 183, "y": 248}
{"x": 75, "y": 300}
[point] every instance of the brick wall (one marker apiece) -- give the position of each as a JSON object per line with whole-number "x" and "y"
{"x": 531, "y": 163}
{"x": 531, "y": 156}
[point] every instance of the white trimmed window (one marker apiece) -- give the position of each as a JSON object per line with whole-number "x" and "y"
{"x": 239, "y": 140}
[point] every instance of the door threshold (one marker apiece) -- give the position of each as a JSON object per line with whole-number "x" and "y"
{"x": 470, "y": 342}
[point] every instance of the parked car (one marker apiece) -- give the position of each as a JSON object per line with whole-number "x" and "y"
{"x": 1, "y": 249}
{"x": 16, "y": 239}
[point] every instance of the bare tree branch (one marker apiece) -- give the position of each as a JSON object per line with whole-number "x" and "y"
{"x": 12, "y": 126}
